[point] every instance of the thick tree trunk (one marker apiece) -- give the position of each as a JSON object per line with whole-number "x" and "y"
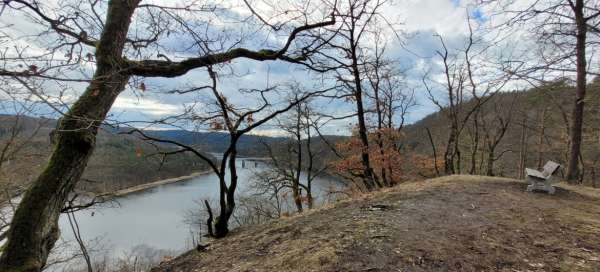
{"x": 221, "y": 226}
{"x": 369, "y": 177}
{"x": 577, "y": 116}
{"x": 450, "y": 152}
{"x": 370, "y": 181}
{"x": 34, "y": 228}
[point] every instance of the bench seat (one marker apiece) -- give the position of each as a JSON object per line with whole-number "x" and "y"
{"x": 542, "y": 181}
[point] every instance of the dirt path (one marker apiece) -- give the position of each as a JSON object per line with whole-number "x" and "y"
{"x": 457, "y": 223}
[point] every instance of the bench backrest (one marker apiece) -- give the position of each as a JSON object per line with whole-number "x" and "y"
{"x": 550, "y": 168}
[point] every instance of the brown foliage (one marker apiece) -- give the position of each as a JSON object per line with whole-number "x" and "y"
{"x": 387, "y": 156}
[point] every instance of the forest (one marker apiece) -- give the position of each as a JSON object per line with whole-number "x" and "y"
{"x": 327, "y": 135}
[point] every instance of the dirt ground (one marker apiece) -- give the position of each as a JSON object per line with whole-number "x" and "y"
{"x": 455, "y": 223}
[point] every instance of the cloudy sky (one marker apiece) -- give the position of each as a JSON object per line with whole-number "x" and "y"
{"x": 420, "y": 21}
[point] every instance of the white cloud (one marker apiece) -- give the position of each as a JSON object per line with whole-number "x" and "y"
{"x": 146, "y": 105}
{"x": 441, "y": 16}
{"x": 273, "y": 132}
{"x": 426, "y": 17}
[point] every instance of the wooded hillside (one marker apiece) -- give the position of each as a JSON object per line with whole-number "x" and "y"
{"x": 536, "y": 129}
{"x": 120, "y": 161}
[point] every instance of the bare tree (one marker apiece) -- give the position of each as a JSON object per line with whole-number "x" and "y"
{"x": 391, "y": 103}
{"x": 468, "y": 85}
{"x": 294, "y": 162}
{"x": 236, "y": 121}
{"x": 83, "y": 35}
{"x": 344, "y": 56}
{"x": 565, "y": 31}
{"x": 455, "y": 108}
{"x": 495, "y": 127}
{"x": 17, "y": 133}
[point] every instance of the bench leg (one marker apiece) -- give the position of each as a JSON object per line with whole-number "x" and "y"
{"x": 530, "y": 188}
{"x": 532, "y": 185}
{"x": 548, "y": 187}
{"x": 545, "y": 186}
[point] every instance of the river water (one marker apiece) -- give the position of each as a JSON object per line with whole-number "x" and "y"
{"x": 156, "y": 218}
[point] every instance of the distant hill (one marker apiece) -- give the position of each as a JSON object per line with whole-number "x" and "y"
{"x": 119, "y": 161}
{"x": 254, "y": 146}
{"x": 217, "y": 142}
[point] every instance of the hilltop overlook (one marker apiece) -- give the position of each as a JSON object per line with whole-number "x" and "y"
{"x": 296, "y": 135}
{"x": 454, "y": 223}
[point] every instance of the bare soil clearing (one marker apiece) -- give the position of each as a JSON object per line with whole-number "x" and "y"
{"x": 455, "y": 223}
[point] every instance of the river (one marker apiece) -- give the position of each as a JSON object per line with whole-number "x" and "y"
{"x": 156, "y": 218}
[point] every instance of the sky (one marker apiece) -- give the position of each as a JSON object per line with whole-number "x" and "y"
{"x": 419, "y": 20}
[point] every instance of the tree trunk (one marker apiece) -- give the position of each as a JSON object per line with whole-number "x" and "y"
{"x": 34, "y": 228}
{"x": 221, "y": 227}
{"x": 542, "y": 128}
{"x": 370, "y": 181}
{"x": 523, "y": 148}
{"x": 384, "y": 179}
{"x": 435, "y": 165}
{"x": 490, "y": 161}
{"x": 378, "y": 109}
{"x": 309, "y": 168}
{"x": 458, "y": 166}
{"x": 296, "y": 182}
{"x": 297, "y": 197}
{"x": 577, "y": 116}
{"x": 309, "y": 198}
{"x": 450, "y": 152}
{"x": 475, "y": 143}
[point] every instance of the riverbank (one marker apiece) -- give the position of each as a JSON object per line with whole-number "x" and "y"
{"x": 146, "y": 186}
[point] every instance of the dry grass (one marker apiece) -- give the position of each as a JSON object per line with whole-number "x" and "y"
{"x": 455, "y": 223}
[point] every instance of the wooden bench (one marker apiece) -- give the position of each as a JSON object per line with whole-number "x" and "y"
{"x": 542, "y": 180}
